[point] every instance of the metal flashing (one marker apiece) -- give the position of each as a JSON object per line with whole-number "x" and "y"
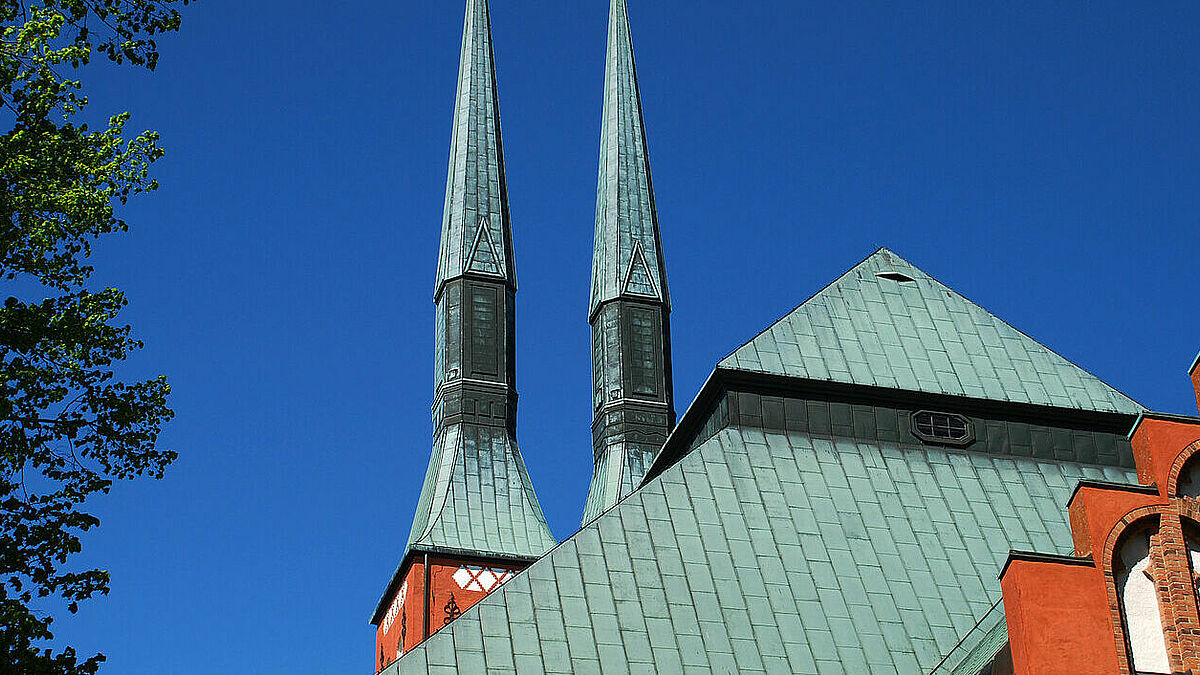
{"x": 1032, "y": 556}
{"x": 724, "y": 379}
{"x": 1138, "y": 488}
{"x": 1162, "y": 416}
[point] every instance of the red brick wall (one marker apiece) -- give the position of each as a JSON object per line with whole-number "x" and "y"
{"x": 454, "y": 587}
{"x": 1056, "y": 614}
{"x": 402, "y": 619}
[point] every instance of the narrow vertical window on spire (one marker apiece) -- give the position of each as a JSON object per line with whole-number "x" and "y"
{"x": 597, "y": 366}
{"x": 643, "y": 351}
{"x": 485, "y": 337}
{"x": 452, "y": 345}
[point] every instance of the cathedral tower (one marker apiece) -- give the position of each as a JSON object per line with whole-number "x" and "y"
{"x": 477, "y": 520}
{"x": 633, "y": 407}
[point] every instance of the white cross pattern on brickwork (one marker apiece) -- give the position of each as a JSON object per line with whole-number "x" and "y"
{"x": 394, "y": 610}
{"x": 476, "y": 578}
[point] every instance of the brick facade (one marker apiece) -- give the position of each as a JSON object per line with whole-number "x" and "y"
{"x": 1064, "y": 613}
{"x": 433, "y": 592}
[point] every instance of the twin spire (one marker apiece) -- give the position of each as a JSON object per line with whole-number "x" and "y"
{"x": 633, "y": 408}
{"x": 476, "y": 233}
{"x": 477, "y": 499}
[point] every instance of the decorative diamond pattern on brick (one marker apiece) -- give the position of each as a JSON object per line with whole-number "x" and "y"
{"x": 480, "y": 579}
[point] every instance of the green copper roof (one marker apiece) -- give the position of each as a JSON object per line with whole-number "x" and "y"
{"x": 886, "y": 323}
{"x": 770, "y": 551}
{"x": 478, "y": 497}
{"x": 476, "y": 233}
{"x": 618, "y": 472}
{"x": 627, "y": 256}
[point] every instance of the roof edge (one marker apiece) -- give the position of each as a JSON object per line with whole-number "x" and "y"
{"x": 1052, "y": 558}
{"x": 1195, "y": 364}
{"x": 883, "y": 249}
{"x": 1107, "y": 485}
{"x": 1162, "y": 417}
{"x": 810, "y": 297}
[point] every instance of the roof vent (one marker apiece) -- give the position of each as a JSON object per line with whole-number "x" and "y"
{"x": 895, "y": 276}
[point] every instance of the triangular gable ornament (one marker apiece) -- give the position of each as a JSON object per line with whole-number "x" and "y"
{"x": 484, "y": 258}
{"x": 638, "y": 280}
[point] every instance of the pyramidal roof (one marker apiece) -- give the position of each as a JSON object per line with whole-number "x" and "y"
{"x": 627, "y": 257}
{"x": 476, "y": 231}
{"x": 885, "y": 323}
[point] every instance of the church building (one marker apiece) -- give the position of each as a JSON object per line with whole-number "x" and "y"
{"x": 889, "y": 479}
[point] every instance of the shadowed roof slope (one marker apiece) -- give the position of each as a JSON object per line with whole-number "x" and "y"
{"x": 886, "y": 323}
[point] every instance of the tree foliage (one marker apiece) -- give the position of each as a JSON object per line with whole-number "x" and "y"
{"x": 69, "y": 426}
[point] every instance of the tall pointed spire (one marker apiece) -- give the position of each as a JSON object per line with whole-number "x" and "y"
{"x": 633, "y": 406}
{"x": 476, "y": 233}
{"x": 477, "y": 495}
{"x": 477, "y": 516}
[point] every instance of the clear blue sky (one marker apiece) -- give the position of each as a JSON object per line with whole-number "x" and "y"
{"x": 1043, "y": 158}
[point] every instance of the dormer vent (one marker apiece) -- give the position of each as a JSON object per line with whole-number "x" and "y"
{"x": 895, "y": 276}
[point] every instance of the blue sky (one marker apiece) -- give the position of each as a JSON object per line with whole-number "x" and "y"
{"x": 1039, "y": 157}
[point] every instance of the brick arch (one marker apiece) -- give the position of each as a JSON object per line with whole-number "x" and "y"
{"x": 1177, "y": 467}
{"x": 1181, "y": 645}
{"x": 1133, "y": 519}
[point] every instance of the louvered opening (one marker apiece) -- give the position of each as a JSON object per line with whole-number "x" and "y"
{"x": 895, "y": 276}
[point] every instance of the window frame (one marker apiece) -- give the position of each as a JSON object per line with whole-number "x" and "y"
{"x": 932, "y": 439}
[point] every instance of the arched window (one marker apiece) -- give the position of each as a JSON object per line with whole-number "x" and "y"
{"x": 1188, "y": 484}
{"x": 1138, "y": 598}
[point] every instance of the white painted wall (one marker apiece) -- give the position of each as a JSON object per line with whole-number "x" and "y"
{"x": 1139, "y": 604}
